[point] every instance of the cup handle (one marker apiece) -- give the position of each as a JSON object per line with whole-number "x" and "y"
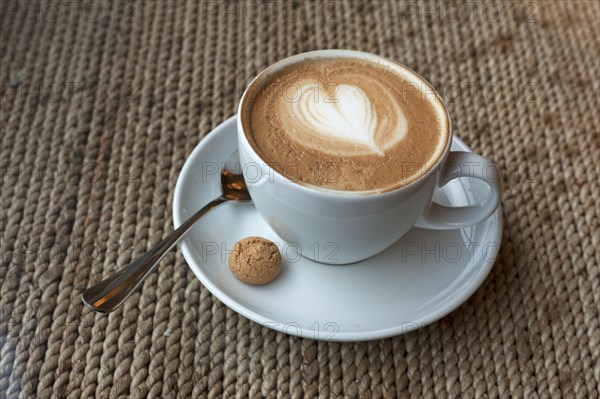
{"x": 463, "y": 164}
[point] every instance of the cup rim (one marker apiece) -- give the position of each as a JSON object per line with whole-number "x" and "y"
{"x": 329, "y": 192}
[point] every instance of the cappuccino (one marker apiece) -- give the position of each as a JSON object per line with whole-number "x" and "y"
{"x": 346, "y": 124}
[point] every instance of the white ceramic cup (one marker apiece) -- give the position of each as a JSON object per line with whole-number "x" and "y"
{"x": 339, "y": 227}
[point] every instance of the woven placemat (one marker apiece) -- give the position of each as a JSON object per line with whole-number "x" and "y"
{"x": 102, "y": 103}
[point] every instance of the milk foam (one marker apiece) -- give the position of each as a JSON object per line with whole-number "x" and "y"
{"x": 346, "y": 124}
{"x": 348, "y": 115}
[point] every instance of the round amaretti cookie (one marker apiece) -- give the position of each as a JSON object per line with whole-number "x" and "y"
{"x": 255, "y": 260}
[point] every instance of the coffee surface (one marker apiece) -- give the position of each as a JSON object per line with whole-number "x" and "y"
{"x": 346, "y": 124}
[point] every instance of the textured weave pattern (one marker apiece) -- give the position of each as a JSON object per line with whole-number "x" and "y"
{"x": 102, "y": 102}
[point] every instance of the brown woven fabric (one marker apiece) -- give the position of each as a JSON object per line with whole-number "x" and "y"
{"x": 102, "y": 102}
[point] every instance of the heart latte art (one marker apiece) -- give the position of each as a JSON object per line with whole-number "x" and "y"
{"x": 346, "y": 114}
{"x": 345, "y": 123}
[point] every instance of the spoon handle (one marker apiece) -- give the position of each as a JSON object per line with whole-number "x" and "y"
{"x": 110, "y": 293}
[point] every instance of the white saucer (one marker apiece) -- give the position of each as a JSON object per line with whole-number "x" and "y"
{"x": 418, "y": 280}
